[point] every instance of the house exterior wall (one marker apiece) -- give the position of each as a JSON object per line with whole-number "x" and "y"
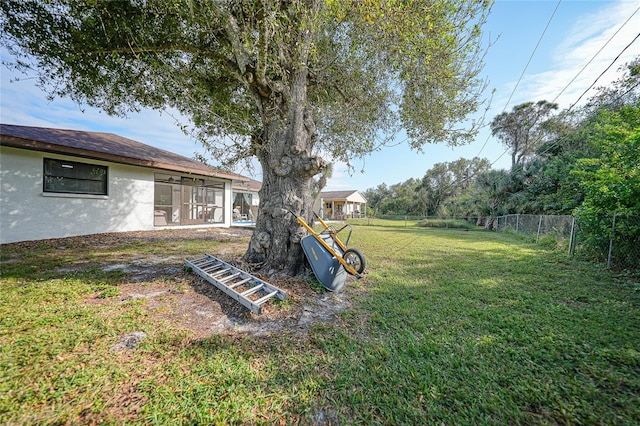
{"x": 357, "y": 198}
{"x": 28, "y": 213}
{"x": 338, "y": 209}
{"x": 354, "y": 206}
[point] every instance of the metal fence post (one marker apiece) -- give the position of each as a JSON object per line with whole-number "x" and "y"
{"x": 572, "y": 237}
{"x": 539, "y": 225}
{"x": 613, "y": 230}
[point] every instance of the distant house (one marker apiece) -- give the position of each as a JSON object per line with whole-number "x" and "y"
{"x": 59, "y": 183}
{"x": 341, "y": 204}
{"x": 246, "y": 200}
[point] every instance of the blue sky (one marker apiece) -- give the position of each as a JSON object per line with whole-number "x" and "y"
{"x": 577, "y": 46}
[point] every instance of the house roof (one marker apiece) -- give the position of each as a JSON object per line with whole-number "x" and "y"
{"x": 106, "y": 147}
{"x": 351, "y": 195}
{"x": 250, "y": 185}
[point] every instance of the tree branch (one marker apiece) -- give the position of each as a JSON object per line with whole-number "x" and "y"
{"x": 263, "y": 43}
{"x": 241, "y": 55}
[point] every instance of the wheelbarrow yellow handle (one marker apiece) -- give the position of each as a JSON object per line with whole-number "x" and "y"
{"x": 343, "y": 262}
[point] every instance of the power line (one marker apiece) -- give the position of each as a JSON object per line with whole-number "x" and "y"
{"x": 592, "y": 84}
{"x": 603, "y": 72}
{"x": 524, "y": 69}
{"x": 554, "y": 144}
{"x": 596, "y": 54}
{"x": 532, "y": 53}
{"x": 562, "y": 139}
{"x": 568, "y": 84}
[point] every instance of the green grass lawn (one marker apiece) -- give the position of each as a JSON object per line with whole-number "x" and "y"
{"x": 449, "y": 327}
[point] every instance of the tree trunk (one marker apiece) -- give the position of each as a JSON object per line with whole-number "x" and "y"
{"x": 284, "y": 150}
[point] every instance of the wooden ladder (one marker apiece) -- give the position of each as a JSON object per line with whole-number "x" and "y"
{"x": 250, "y": 291}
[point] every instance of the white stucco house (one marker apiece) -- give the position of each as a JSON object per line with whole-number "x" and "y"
{"x": 341, "y": 204}
{"x": 58, "y": 183}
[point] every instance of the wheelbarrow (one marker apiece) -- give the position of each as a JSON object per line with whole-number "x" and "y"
{"x": 329, "y": 257}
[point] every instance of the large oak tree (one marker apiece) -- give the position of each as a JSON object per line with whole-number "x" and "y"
{"x": 293, "y": 83}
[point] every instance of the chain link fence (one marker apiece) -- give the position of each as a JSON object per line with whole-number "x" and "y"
{"x": 613, "y": 239}
{"x": 537, "y": 226}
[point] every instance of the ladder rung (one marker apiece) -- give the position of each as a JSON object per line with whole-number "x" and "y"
{"x": 265, "y": 298}
{"x": 211, "y": 268}
{"x": 221, "y": 279}
{"x": 220, "y": 272}
{"x": 252, "y": 290}
{"x": 228, "y": 277}
{"x": 236, "y": 284}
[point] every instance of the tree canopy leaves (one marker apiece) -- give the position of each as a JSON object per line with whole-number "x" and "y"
{"x": 523, "y": 129}
{"x": 373, "y": 66}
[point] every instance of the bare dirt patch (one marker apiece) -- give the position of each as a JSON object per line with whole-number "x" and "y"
{"x": 160, "y": 284}
{"x": 190, "y": 303}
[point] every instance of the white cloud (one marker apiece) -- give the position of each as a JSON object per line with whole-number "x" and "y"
{"x": 24, "y": 103}
{"x": 593, "y": 43}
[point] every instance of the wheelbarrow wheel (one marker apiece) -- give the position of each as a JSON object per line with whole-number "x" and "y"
{"x": 355, "y": 259}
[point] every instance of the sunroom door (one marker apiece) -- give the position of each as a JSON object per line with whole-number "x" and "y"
{"x": 193, "y": 201}
{"x": 214, "y": 201}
